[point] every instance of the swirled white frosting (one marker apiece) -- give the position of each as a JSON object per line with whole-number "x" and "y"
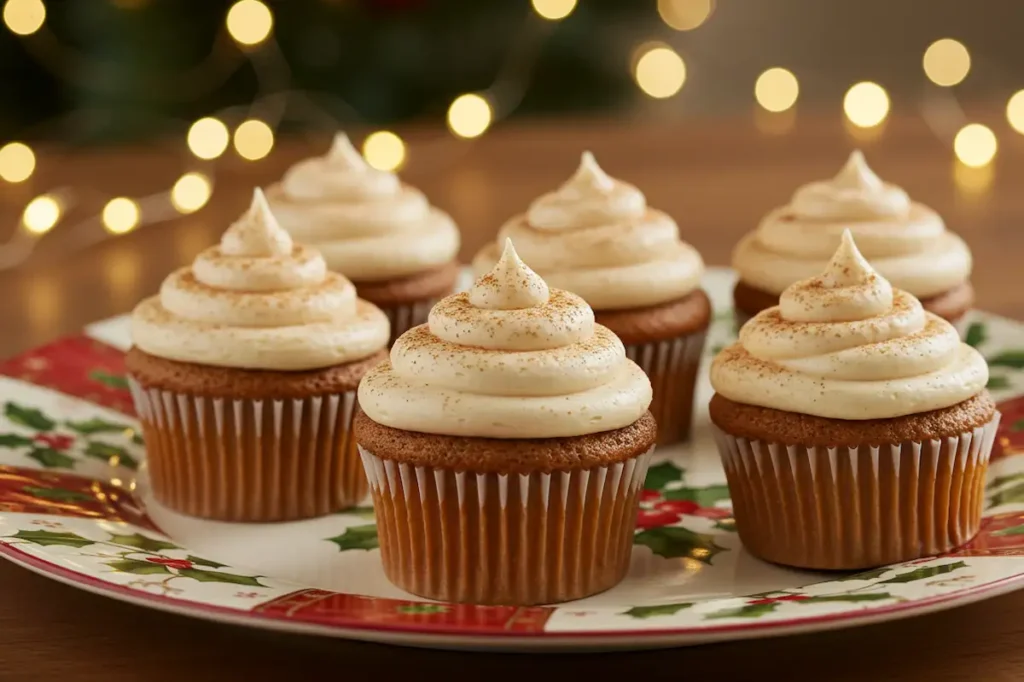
{"x": 906, "y": 242}
{"x": 596, "y": 237}
{"x": 368, "y": 225}
{"x": 258, "y": 301}
{"x": 510, "y": 358}
{"x": 847, "y": 345}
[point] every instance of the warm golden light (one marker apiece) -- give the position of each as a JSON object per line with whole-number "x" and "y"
{"x": 685, "y": 15}
{"x": 41, "y": 214}
{"x": 208, "y": 138}
{"x": 24, "y": 17}
{"x": 250, "y": 22}
{"x": 554, "y": 9}
{"x": 17, "y": 162}
{"x": 975, "y": 145}
{"x": 469, "y": 115}
{"x": 121, "y": 215}
{"x": 384, "y": 150}
{"x": 946, "y": 62}
{"x": 253, "y": 139}
{"x": 1015, "y": 111}
{"x": 191, "y": 192}
{"x": 660, "y": 72}
{"x": 866, "y": 104}
{"x": 776, "y": 89}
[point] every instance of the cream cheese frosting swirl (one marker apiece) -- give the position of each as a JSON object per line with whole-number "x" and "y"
{"x": 596, "y": 236}
{"x": 847, "y": 345}
{"x": 259, "y": 301}
{"x": 906, "y": 242}
{"x": 510, "y": 358}
{"x": 368, "y": 225}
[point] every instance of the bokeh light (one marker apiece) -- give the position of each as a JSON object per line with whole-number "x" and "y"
{"x": 208, "y": 138}
{"x": 249, "y": 22}
{"x": 24, "y": 17}
{"x": 384, "y": 150}
{"x": 946, "y": 62}
{"x": 554, "y": 9}
{"x": 469, "y": 115}
{"x": 975, "y": 145}
{"x": 685, "y": 15}
{"x": 121, "y": 215}
{"x": 1015, "y": 111}
{"x": 41, "y": 214}
{"x": 660, "y": 72}
{"x": 191, "y": 192}
{"x": 253, "y": 139}
{"x": 866, "y": 104}
{"x": 17, "y": 162}
{"x": 776, "y": 89}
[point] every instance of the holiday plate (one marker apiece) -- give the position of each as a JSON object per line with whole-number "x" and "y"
{"x": 74, "y": 506}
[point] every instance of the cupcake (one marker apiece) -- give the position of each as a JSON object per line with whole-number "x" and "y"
{"x": 906, "y": 242}
{"x": 597, "y": 238}
{"x": 854, "y": 426}
{"x": 244, "y": 372}
{"x": 506, "y": 443}
{"x": 398, "y": 250}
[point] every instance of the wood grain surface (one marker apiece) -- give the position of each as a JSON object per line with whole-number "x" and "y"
{"x": 717, "y": 178}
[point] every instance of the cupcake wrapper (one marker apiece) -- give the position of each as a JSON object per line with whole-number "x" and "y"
{"x": 516, "y": 539}
{"x": 861, "y": 507}
{"x": 672, "y": 366}
{"x": 250, "y": 460}
{"x": 406, "y": 316}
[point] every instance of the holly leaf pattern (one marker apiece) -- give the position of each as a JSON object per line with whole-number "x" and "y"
{"x": 705, "y": 497}
{"x": 357, "y": 537}
{"x": 96, "y": 425}
{"x": 112, "y": 454}
{"x": 745, "y": 611}
{"x": 421, "y": 608}
{"x": 28, "y": 417}
{"x": 205, "y": 576}
{"x": 138, "y": 567}
{"x": 47, "y": 538}
{"x": 51, "y": 459}
{"x": 1000, "y": 481}
{"x": 924, "y": 573}
{"x": 672, "y": 542}
{"x": 873, "y": 574}
{"x": 997, "y": 383}
{"x": 13, "y": 440}
{"x": 728, "y": 525}
{"x": 642, "y": 612}
{"x": 56, "y": 494}
{"x": 660, "y": 474}
{"x": 1012, "y": 495}
{"x": 141, "y": 542}
{"x": 851, "y": 597}
{"x": 976, "y": 335}
{"x": 198, "y": 561}
{"x": 1008, "y": 358}
{"x": 1016, "y": 530}
{"x": 115, "y": 381}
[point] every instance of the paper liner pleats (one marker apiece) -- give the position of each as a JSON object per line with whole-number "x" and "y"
{"x": 672, "y": 366}
{"x": 860, "y": 507}
{"x": 250, "y": 460}
{"x": 516, "y": 539}
{"x": 406, "y": 316}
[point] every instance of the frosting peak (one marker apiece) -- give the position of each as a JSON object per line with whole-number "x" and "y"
{"x": 343, "y": 155}
{"x": 511, "y": 285}
{"x": 590, "y": 197}
{"x": 256, "y": 233}
{"x": 856, "y": 175}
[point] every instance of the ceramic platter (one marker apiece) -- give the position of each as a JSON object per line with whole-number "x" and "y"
{"x": 74, "y": 507}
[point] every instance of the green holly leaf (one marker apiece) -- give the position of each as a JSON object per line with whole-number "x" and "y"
{"x": 111, "y": 454}
{"x": 851, "y": 597}
{"x": 205, "y": 576}
{"x": 13, "y": 440}
{"x": 661, "y": 474}
{"x": 51, "y": 459}
{"x": 976, "y": 334}
{"x": 357, "y": 537}
{"x": 28, "y": 416}
{"x": 728, "y": 525}
{"x": 421, "y": 608}
{"x": 47, "y": 538}
{"x": 1008, "y": 358}
{"x": 95, "y": 425}
{"x": 199, "y": 561}
{"x": 717, "y": 348}
{"x": 873, "y": 574}
{"x": 705, "y": 497}
{"x": 997, "y": 383}
{"x": 1000, "y": 481}
{"x": 672, "y": 542}
{"x": 924, "y": 573}
{"x": 137, "y": 438}
{"x": 58, "y": 494}
{"x": 1011, "y": 495}
{"x": 745, "y": 611}
{"x": 141, "y": 542}
{"x": 138, "y": 567}
{"x": 642, "y": 612}
{"x": 115, "y": 381}
{"x": 1016, "y": 530}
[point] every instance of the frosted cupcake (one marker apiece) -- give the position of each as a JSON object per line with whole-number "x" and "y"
{"x": 596, "y": 237}
{"x": 244, "y": 370}
{"x": 383, "y": 235}
{"x": 506, "y": 443}
{"x": 906, "y": 242}
{"x": 854, "y": 426}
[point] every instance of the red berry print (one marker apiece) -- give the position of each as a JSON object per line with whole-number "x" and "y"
{"x": 713, "y": 513}
{"x": 55, "y": 441}
{"x": 677, "y": 506}
{"x": 650, "y": 495}
{"x": 179, "y": 564}
{"x": 653, "y": 518}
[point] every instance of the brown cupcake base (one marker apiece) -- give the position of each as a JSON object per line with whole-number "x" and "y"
{"x": 518, "y": 534}
{"x": 407, "y": 300}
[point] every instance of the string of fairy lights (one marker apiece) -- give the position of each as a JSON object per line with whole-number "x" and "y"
{"x": 659, "y": 71}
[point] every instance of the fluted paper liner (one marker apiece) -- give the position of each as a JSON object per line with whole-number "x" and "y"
{"x": 672, "y": 366}
{"x": 852, "y": 508}
{"x": 406, "y": 316}
{"x": 250, "y": 460}
{"x": 514, "y": 539}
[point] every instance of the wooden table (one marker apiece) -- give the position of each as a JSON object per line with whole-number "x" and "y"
{"x": 716, "y": 178}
